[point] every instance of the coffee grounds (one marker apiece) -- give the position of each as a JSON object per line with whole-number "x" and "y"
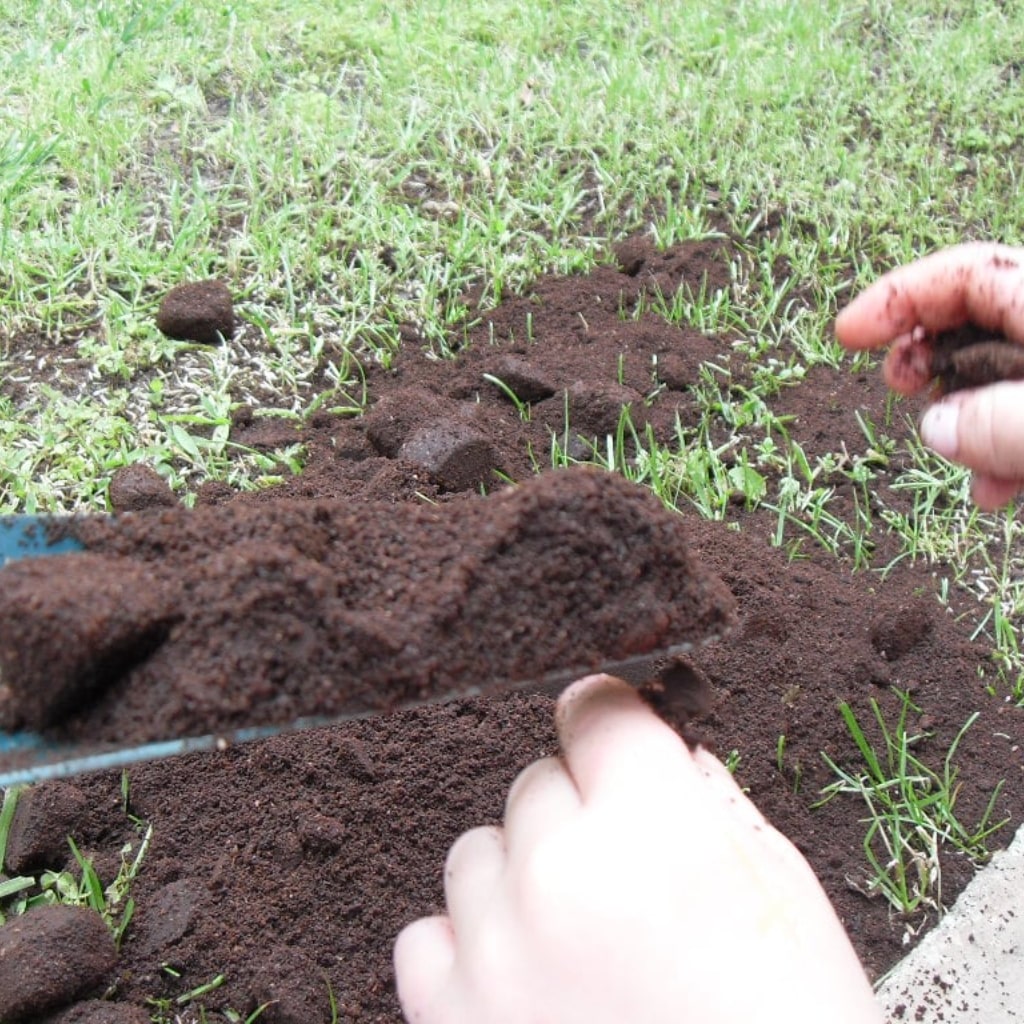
{"x": 294, "y": 609}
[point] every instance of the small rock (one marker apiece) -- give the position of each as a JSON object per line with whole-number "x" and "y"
{"x": 44, "y": 817}
{"x": 49, "y": 957}
{"x": 136, "y": 487}
{"x": 457, "y": 456}
{"x": 200, "y": 311}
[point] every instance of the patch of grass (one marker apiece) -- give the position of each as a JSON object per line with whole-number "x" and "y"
{"x": 911, "y": 807}
{"x": 113, "y": 902}
{"x": 348, "y": 178}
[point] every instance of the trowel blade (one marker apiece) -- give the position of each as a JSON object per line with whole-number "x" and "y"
{"x": 27, "y": 758}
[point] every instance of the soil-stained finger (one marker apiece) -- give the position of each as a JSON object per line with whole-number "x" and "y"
{"x": 615, "y": 746}
{"x": 980, "y": 282}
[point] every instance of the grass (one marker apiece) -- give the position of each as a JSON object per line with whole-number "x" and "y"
{"x": 911, "y": 808}
{"x": 112, "y": 902}
{"x": 348, "y": 176}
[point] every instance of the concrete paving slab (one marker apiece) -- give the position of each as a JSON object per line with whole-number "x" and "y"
{"x": 969, "y": 969}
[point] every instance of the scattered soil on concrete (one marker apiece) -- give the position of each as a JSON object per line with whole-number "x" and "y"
{"x": 289, "y": 865}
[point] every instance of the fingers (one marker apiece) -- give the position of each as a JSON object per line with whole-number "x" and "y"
{"x": 613, "y": 743}
{"x": 424, "y": 958}
{"x": 990, "y": 493}
{"x": 472, "y": 875}
{"x": 978, "y": 282}
{"x": 982, "y": 428}
{"x": 908, "y": 364}
{"x": 540, "y": 800}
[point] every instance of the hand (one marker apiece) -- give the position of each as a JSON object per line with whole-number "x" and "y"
{"x": 632, "y": 881}
{"x": 980, "y": 283}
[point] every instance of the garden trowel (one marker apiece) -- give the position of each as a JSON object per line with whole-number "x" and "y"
{"x": 111, "y": 653}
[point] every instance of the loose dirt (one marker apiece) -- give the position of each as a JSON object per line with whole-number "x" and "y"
{"x": 287, "y": 866}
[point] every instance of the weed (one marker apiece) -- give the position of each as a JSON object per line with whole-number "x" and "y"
{"x": 911, "y": 810}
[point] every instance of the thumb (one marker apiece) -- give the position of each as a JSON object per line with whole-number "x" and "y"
{"x": 982, "y": 428}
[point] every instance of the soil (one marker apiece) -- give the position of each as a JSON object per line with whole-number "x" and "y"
{"x": 288, "y": 865}
{"x": 199, "y": 311}
{"x": 195, "y": 622}
{"x": 970, "y": 357}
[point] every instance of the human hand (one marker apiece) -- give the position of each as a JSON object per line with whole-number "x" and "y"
{"x": 632, "y": 881}
{"x": 979, "y": 283}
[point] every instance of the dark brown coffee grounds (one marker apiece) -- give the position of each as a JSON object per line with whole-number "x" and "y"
{"x": 199, "y": 622}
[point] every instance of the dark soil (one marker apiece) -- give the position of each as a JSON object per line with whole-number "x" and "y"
{"x": 970, "y": 357}
{"x": 289, "y": 865}
{"x": 200, "y": 311}
{"x": 187, "y": 623}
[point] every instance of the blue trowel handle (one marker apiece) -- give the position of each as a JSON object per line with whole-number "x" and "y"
{"x": 26, "y": 536}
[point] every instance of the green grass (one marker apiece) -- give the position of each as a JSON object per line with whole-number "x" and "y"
{"x": 350, "y": 173}
{"x": 911, "y": 808}
{"x": 113, "y": 902}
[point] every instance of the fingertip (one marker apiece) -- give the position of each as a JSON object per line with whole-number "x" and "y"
{"x": 592, "y": 699}
{"x": 424, "y": 957}
{"x": 991, "y": 493}
{"x": 850, "y": 325}
{"x": 612, "y": 741}
{"x": 589, "y": 689}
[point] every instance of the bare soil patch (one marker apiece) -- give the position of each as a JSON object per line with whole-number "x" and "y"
{"x": 289, "y": 865}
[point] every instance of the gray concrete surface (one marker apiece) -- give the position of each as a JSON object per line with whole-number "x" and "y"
{"x": 969, "y": 969}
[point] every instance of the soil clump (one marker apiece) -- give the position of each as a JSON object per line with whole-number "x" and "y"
{"x": 199, "y": 311}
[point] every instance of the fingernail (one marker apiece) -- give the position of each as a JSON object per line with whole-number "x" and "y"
{"x": 939, "y": 428}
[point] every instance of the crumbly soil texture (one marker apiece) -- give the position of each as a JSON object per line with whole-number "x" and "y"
{"x": 285, "y": 867}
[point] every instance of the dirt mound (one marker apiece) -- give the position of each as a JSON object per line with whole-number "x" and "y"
{"x": 252, "y": 615}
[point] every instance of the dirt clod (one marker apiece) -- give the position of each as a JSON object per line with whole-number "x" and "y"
{"x": 456, "y": 455}
{"x": 44, "y": 817}
{"x": 200, "y": 311}
{"x": 970, "y": 357}
{"x": 136, "y": 487}
{"x": 48, "y": 957}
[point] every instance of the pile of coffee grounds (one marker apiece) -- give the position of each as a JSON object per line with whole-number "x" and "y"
{"x": 194, "y": 622}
